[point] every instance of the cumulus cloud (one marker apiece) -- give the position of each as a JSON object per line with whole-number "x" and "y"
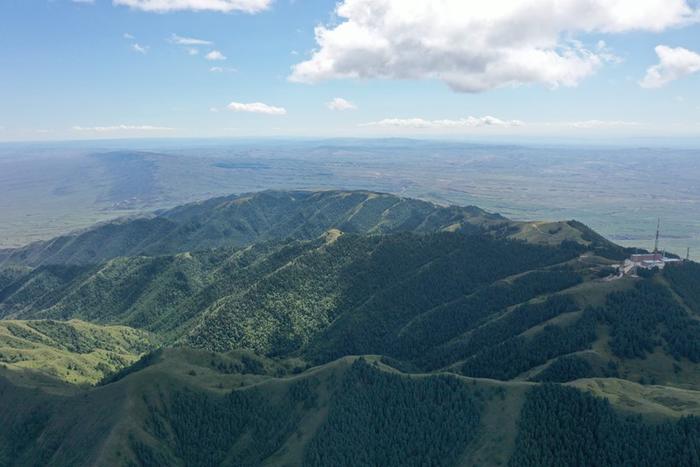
{"x": 674, "y": 63}
{"x": 215, "y": 56}
{"x": 257, "y": 107}
{"x": 224, "y": 6}
{"x": 339, "y": 103}
{"x": 142, "y": 49}
{"x": 468, "y": 122}
{"x": 128, "y": 36}
{"x": 475, "y": 46}
{"x": 113, "y": 128}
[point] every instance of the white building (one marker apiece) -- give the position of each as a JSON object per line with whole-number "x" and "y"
{"x": 647, "y": 261}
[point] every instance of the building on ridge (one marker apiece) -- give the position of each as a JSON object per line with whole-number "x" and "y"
{"x": 657, "y": 259}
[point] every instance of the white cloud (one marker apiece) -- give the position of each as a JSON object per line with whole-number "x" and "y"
{"x": 599, "y": 124}
{"x": 179, "y": 40}
{"x": 219, "y": 69}
{"x": 674, "y": 63}
{"x": 475, "y": 46}
{"x": 339, "y": 103}
{"x": 113, "y": 128}
{"x": 128, "y": 36}
{"x": 192, "y": 51}
{"x": 215, "y": 55}
{"x": 257, "y": 107}
{"x": 224, "y": 6}
{"x": 85, "y": 2}
{"x": 468, "y": 122}
{"x": 142, "y": 49}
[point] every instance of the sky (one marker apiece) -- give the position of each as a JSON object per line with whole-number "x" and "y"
{"x": 91, "y": 69}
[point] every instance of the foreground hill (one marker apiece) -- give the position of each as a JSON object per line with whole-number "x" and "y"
{"x": 202, "y": 409}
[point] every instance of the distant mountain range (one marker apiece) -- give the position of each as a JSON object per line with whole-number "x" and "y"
{"x": 229, "y": 332}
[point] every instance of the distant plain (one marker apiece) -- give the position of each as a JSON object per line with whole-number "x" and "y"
{"x": 50, "y": 189}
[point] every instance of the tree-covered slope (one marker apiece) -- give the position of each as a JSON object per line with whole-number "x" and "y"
{"x": 685, "y": 281}
{"x": 31, "y": 285}
{"x": 563, "y": 426}
{"x": 197, "y": 408}
{"x": 11, "y": 274}
{"x": 341, "y": 294}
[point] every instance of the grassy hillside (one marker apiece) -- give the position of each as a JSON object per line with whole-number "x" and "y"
{"x": 70, "y": 351}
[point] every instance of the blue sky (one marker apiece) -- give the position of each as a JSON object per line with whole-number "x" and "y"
{"x": 82, "y": 70}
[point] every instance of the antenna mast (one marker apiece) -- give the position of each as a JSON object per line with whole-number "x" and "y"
{"x": 656, "y": 243}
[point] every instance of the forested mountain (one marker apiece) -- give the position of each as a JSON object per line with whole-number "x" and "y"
{"x": 229, "y": 332}
{"x": 246, "y": 219}
{"x": 242, "y": 220}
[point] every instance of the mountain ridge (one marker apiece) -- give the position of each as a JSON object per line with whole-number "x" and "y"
{"x": 240, "y": 220}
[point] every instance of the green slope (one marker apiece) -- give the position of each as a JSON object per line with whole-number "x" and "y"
{"x": 32, "y": 285}
{"x": 685, "y": 281}
{"x": 70, "y": 351}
